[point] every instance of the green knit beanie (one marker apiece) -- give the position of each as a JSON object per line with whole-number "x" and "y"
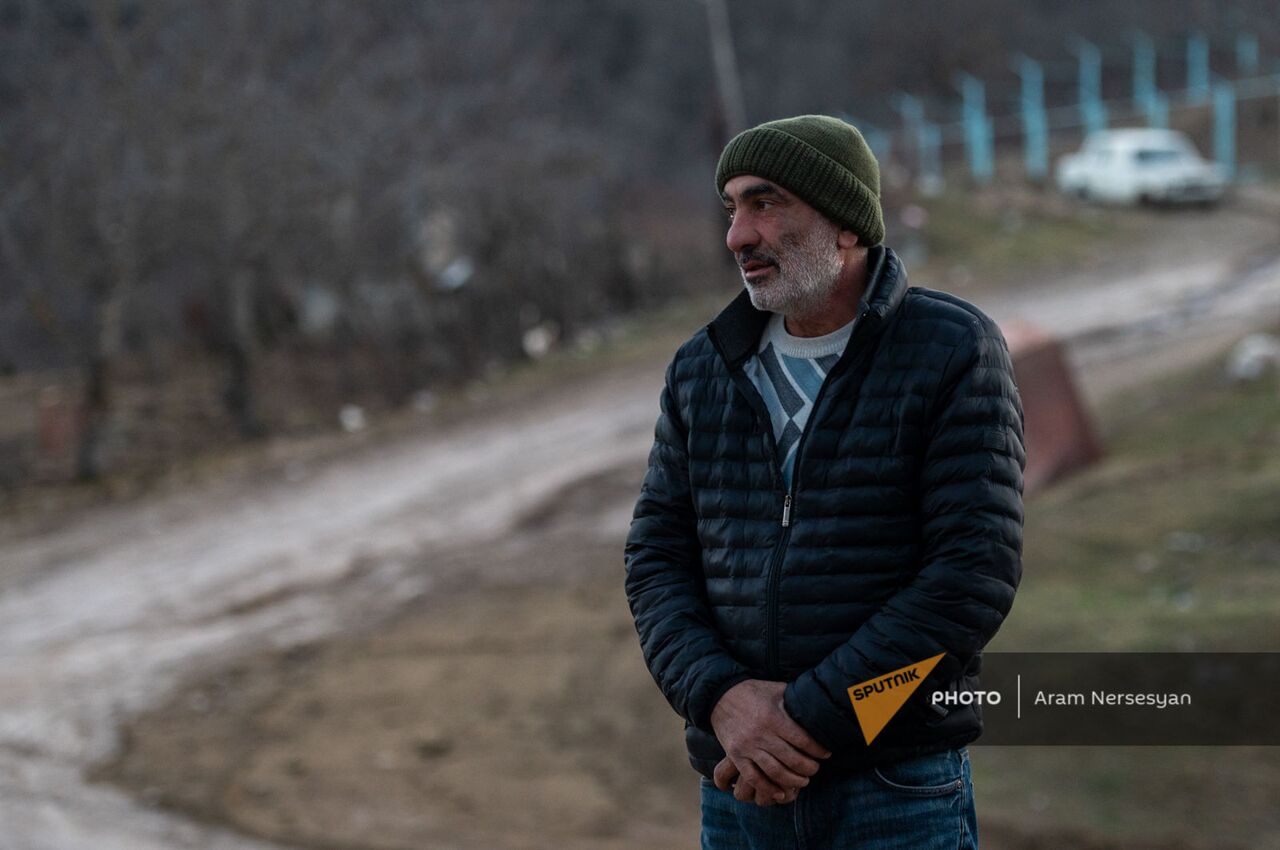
{"x": 824, "y": 161}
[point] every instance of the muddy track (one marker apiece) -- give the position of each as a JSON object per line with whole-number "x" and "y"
{"x": 104, "y": 619}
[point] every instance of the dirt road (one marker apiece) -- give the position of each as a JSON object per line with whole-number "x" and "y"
{"x": 104, "y": 619}
{"x": 101, "y": 620}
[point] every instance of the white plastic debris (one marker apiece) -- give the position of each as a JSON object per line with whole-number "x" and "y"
{"x": 540, "y": 339}
{"x": 457, "y": 273}
{"x": 1253, "y": 357}
{"x": 352, "y": 418}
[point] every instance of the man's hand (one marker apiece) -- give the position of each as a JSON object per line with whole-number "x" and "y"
{"x": 772, "y": 755}
{"x": 726, "y": 773}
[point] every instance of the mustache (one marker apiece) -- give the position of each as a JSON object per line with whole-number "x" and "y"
{"x": 745, "y": 257}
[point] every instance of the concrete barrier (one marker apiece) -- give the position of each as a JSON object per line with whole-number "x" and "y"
{"x": 1059, "y": 433}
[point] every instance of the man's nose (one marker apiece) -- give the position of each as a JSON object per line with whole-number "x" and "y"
{"x": 741, "y": 234}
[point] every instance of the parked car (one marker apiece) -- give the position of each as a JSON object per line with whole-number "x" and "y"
{"x": 1141, "y": 166}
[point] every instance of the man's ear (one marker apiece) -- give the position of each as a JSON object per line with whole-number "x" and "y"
{"x": 846, "y": 239}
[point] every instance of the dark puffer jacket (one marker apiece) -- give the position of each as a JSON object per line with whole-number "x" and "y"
{"x": 901, "y": 537}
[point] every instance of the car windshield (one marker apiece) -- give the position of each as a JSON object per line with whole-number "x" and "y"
{"x": 1158, "y": 156}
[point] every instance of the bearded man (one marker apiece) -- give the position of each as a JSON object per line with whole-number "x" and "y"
{"x": 834, "y": 494}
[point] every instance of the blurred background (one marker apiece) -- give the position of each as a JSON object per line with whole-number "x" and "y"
{"x": 331, "y": 336}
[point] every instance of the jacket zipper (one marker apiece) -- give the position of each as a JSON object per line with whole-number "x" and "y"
{"x": 788, "y": 503}
{"x": 774, "y": 578}
{"x": 774, "y": 575}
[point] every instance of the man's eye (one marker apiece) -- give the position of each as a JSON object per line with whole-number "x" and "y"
{"x": 728, "y": 213}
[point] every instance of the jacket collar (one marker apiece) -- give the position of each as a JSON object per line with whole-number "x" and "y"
{"x": 736, "y": 331}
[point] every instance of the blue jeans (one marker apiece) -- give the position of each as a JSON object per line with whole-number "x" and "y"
{"x": 923, "y": 803}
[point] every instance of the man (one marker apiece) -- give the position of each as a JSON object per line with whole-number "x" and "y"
{"x": 834, "y": 493}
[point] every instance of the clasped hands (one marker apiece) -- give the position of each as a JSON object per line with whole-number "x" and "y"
{"x": 770, "y": 756}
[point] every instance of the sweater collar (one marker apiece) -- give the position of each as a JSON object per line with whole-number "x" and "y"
{"x": 736, "y": 331}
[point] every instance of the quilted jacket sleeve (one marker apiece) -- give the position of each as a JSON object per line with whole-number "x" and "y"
{"x": 971, "y": 503}
{"x": 664, "y": 581}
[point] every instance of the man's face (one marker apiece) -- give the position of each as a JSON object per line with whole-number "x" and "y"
{"x": 785, "y": 248}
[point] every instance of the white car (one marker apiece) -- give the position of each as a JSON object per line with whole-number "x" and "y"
{"x": 1141, "y": 166}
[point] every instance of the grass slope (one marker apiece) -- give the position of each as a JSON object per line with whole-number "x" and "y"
{"x": 1171, "y": 543}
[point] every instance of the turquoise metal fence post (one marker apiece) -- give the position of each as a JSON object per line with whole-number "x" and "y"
{"x": 977, "y": 128}
{"x": 1198, "y": 68}
{"x": 1158, "y": 114}
{"x": 1145, "y": 94}
{"x": 1246, "y": 53}
{"x": 880, "y": 141}
{"x": 1144, "y": 68}
{"x": 1035, "y": 135}
{"x": 1154, "y": 105}
{"x": 930, "y": 143}
{"x": 1224, "y": 126}
{"x": 1089, "y": 82}
{"x": 908, "y": 106}
{"x": 925, "y": 136}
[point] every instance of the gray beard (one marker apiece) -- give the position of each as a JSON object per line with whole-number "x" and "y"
{"x": 806, "y": 276}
